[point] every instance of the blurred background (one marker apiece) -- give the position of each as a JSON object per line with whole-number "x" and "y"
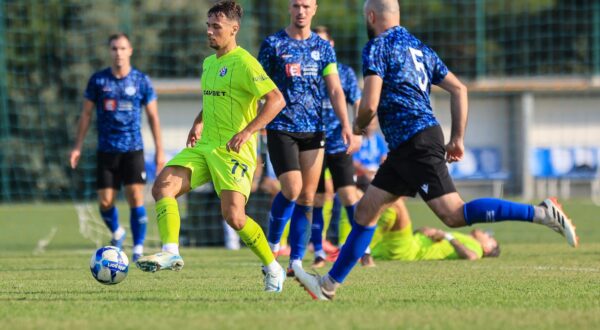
{"x": 532, "y": 68}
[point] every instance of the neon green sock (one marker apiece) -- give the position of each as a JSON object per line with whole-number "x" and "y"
{"x": 327, "y": 210}
{"x": 254, "y": 237}
{"x": 344, "y": 227}
{"x": 169, "y": 222}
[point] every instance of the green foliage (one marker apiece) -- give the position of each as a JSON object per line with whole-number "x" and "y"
{"x": 48, "y": 50}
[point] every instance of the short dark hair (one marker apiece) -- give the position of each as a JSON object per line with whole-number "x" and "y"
{"x": 118, "y": 35}
{"x": 228, "y": 8}
{"x": 323, "y": 29}
{"x": 495, "y": 251}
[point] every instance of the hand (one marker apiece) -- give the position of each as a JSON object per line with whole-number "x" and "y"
{"x": 194, "y": 136}
{"x": 349, "y": 140}
{"x": 355, "y": 143}
{"x": 159, "y": 160}
{"x": 74, "y": 157}
{"x": 237, "y": 141}
{"x": 438, "y": 235}
{"x": 455, "y": 150}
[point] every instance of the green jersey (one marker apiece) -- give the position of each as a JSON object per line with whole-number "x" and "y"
{"x": 406, "y": 245}
{"x": 231, "y": 85}
{"x": 431, "y": 250}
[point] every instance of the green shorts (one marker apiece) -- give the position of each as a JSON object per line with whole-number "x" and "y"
{"x": 397, "y": 245}
{"x": 226, "y": 170}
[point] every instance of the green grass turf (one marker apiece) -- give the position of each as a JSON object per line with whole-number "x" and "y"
{"x": 538, "y": 283}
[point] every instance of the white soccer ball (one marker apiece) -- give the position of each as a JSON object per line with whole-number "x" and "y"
{"x": 109, "y": 265}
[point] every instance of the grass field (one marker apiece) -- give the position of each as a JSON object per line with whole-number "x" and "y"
{"x": 539, "y": 282}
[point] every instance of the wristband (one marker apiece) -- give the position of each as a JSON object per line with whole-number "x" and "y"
{"x": 448, "y": 237}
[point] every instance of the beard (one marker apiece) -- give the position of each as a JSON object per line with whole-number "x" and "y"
{"x": 370, "y": 31}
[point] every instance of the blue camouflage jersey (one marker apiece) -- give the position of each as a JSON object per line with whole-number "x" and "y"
{"x": 333, "y": 127}
{"x": 408, "y": 67}
{"x": 297, "y": 67}
{"x": 119, "y": 108}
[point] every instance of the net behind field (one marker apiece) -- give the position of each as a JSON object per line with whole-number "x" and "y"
{"x": 49, "y": 49}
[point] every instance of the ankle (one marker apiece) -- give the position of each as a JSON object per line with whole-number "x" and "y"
{"x": 540, "y": 214}
{"x": 329, "y": 284}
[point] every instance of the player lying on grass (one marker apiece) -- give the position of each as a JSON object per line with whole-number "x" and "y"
{"x": 395, "y": 240}
{"x": 221, "y": 146}
{"x": 399, "y": 70}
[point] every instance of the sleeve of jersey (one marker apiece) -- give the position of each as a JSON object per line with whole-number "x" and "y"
{"x": 351, "y": 89}
{"x": 149, "y": 94}
{"x": 328, "y": 60}
{"x": 257, "y": 79}
{"x": 90, "y": 92}
{"x": 373, "y": 62}
{"x": 440, "y": 70}
{"x": 469, "y": 243}
{"x": 264, "y": 56}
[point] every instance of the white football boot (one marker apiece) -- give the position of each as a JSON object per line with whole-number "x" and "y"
{"x": 558, "y": 221}
{"x": 160, "y": 261}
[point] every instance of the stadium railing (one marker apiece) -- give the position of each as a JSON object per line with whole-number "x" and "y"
{"x": 555, "y": 169}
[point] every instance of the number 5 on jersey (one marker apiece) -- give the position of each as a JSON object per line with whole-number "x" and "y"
{"x": 417, "y": 57}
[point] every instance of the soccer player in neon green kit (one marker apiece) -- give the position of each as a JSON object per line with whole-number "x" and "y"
{"x": 221, "y": 146}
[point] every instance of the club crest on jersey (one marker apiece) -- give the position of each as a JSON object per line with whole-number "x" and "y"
{"x": 223, "y": 71}
{"x": 110, "y": 105}
{"x": 130, "y": 90}
{"x": 315, "y": 55}
{"x": 293, "y": 70}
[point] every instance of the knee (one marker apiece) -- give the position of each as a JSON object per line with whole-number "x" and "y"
{"x": 234, "y": 218}
{"x": 453, "y": 218}
{"x": 163, "y": 188}
{"x": 156, "y": 191}
{"x": 306, "y": 199}
{"x": 291, "y": 193}
{"x": 364, "y": 216}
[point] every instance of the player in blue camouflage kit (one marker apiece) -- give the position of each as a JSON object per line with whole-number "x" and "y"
{"x": 399, "y": 70}
{"x": 337, "y": 159}
{"x": 118, "y": 93}
{"x": 299, "y": 61}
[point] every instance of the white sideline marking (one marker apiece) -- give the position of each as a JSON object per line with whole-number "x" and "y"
{"x": 548, "y": 268}
{"x": 43, "y": 243}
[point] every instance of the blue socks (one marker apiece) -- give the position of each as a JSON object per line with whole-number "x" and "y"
{"x": 350, "y": 212}
{"x": 354, "y": 248}
{"x": 111, "y": 218}
{"x": 281, "y": 211}
{"x": 316, "y": 235}
{"x": 493, "y": 210}
{"x": 299, "y": 231}
{"x": 138, "y": 221}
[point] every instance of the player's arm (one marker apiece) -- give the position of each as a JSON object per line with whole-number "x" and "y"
{"x": 461, "y": 250}
{"x": 459, "y": 108}
{"x": 338, "y": 101}
{"x": 154, "y": 122}
{"x": 82, "y": 128}
{"x": 369, "y": 102}
{"x": 195, "y": 132}
{"x": 274, "y": 103}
